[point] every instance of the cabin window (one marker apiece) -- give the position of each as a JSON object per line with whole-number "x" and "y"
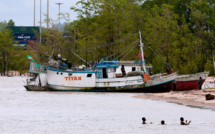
{"x": 57, "y": 73}
{"x": 61, "y": 73}
{"x": 89, "y": 75}
{"x": 114, "y": 69}
{"x": 99, "y": 73}
{"x": 133, "y": 69}
{"x": 104, "y": 73}
{"x": 70, "y": 74}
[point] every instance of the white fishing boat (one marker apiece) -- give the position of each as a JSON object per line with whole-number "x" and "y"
{"x": 101, "y": 77}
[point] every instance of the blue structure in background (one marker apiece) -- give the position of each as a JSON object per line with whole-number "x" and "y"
{"x": 24, "y": 35}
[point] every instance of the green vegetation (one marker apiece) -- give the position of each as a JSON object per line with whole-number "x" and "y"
{"x": 180, "y": 33}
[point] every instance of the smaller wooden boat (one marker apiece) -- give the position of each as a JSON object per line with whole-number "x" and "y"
{"x": 189, "y": 81}
{"x": 37, "y": 81}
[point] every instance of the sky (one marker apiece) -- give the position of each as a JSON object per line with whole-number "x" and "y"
{"x": 22, "y": 11}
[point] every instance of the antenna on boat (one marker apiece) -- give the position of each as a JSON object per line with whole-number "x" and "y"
{"x": 141, "y": 51}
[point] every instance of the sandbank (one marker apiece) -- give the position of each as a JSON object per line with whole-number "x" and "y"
{"x": 191, "y": 97}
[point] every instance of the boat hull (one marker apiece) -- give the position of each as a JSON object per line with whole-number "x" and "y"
{"x": 163, "y": 87}
{"x": 187, "y": 85}
{"x": 159, "y": 83}
{"x": 190, "y": 81}
{"x": 36, "y": 88}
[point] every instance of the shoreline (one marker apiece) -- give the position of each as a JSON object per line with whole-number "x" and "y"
{"x": 191, "y": 97}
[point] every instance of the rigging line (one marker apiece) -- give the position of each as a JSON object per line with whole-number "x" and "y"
{"x": 156, "y": 54}
{"x": 128, "y": 52}
{"x": 126, "y": 49}
{"x": 100, "y": 46}
{"x": 122, "y": 49}
{"x": 108, "y": 43}
{"x": 151, "y": 49}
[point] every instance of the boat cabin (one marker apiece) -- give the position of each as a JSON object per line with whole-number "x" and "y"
{"x": 106, "y": 69}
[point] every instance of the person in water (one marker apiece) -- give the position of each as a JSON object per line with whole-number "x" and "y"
{"x": 163, "y": 122}
{"x": 144, "y": 120}
{"x": 184, "y": 123}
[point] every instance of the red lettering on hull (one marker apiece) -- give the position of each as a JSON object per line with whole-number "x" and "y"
{"x": 72, "y": 78}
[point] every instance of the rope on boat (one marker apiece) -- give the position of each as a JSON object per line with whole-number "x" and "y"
{"x": 128, "y": 52}
{"x": 123, "y": 49}
{"x": 105, "y": 45}
{"x": 157, "y": 55}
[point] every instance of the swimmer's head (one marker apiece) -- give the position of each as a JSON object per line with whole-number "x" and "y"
{"x": 162, "y": 122}
{"x": 144, "y": 119}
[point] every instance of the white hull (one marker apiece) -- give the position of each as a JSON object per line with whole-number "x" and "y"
{"x": 80, "y": 81}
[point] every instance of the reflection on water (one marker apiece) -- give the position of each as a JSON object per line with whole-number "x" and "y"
{"x": 25, "y": 112}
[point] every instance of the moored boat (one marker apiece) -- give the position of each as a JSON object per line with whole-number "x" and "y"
{"x": 100, "y": 78}
{"x": 190, "y": 81}
{"x": 37, "y": 81}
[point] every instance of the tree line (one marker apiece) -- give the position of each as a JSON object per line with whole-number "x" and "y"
{"x": 177, "y": 33}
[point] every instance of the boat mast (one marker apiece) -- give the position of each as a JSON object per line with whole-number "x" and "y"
{"x": 141, "y": 51}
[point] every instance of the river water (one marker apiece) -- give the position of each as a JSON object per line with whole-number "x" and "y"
{"x": 29, "y": 112}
